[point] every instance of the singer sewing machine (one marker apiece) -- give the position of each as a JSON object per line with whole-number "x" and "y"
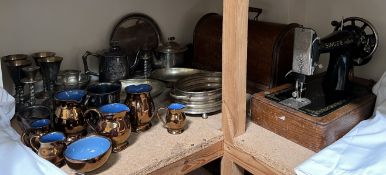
{"x": 316, "y": 111}
{"x": 352, "y": 43}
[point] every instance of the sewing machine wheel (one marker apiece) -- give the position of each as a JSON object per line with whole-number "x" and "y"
{"x": 368, "y": 38}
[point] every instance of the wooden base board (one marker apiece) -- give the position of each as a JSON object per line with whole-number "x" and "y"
{"x": 247, "y": 161}
{"x": 192, "y": 162}
{"x": 314, "y": 133}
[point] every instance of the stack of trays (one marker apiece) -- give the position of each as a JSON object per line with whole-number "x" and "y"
{"x": 201, "y": 93}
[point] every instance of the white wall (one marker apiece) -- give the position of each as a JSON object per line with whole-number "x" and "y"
{"x": 273, "y": 11}
{"x": 71, "y": 27}
{"x": 318, "y": 15}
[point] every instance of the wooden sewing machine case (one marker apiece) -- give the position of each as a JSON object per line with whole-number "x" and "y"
{"x": 314, "y": 133}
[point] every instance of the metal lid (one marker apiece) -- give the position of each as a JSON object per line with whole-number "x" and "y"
{"x": 171, "y": 47}
{"x": 114, "y": 51}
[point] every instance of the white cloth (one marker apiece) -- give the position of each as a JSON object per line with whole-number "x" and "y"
{"x": 379, "y": 89}
{"x": 15, "y": 157}
{"x": 362, "y": 151}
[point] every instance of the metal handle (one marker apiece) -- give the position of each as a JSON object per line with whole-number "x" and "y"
{"x": 160, "y": 118}
{"x": 255, "y": 10}
{"x": 24, "y": 138}
{"x": 91, "y": 121}
{"x": 178, "y": 97}
{"x": 190, "y": 98}
{"x": 84, "y": 58}
{"x": 32, "y": 143}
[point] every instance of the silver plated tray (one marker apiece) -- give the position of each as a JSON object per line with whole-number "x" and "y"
{"x": 202, "y": 111}
{"x": 194, "y": 98}
{"x": 201, "y": 93}
{"x": 157, "y": 86}
{"x": 134, "y": 32}
{"x": 174, "y": 74}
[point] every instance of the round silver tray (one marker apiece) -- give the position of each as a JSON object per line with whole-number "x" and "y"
{"x": 194, "y": 110}
{"x": 136, "y": 31}
{"x": 201, "y": 93}
{"x": 194, "y": 98}
{"x": 174, "y": 74}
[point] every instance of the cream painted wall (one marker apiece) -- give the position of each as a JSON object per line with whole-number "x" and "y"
{"x": 318, "y": 15}
{"x": 71, "y": 27}
{"x": 273, "y": 11}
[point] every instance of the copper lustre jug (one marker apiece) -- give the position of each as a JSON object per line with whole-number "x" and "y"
{"x": 51, "y": 147}
{"x": 142, "y": 107}
{"x": 69, "y": 117}
{"x": 175, "y": 118}
{"x": 38, "y": 128}
{"x": 112, "y": 121}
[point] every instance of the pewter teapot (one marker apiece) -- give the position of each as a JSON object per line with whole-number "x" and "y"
{"x": 169, "y": 54}
{"x": 113, "y": 64}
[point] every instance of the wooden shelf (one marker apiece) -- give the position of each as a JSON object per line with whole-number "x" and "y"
{"x": 258, "y": 150}
{"x": 267, "y": 152}
{"x": 158, "y": 152}
{"x": 255, "y": 149}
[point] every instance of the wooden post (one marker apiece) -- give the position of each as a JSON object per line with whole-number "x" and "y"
{"x": 234, "y": 68}
{"x": 229, "y": 167}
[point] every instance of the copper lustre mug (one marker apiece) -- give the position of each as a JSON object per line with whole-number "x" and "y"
{"x": 175, "y": 118}
{"x": 141, "y": 106}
